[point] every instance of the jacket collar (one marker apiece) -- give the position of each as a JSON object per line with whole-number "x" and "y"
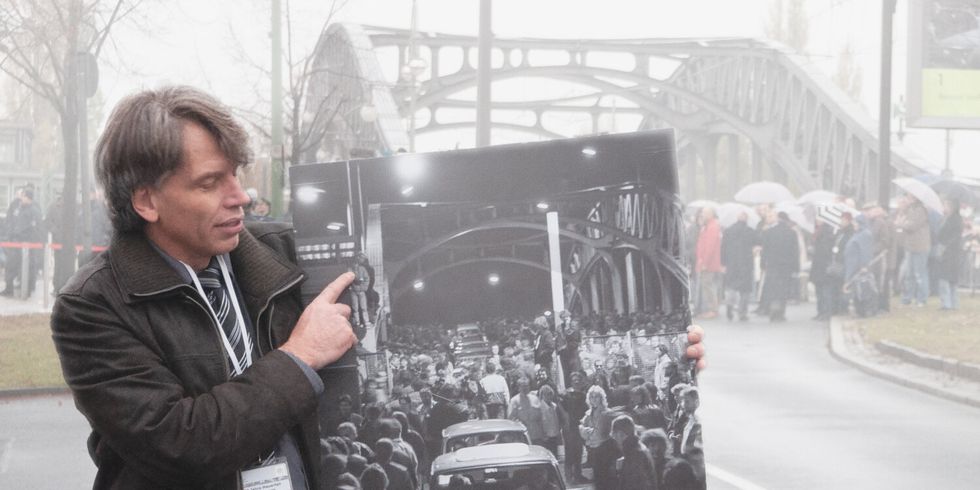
{"x": 142, "y": 272}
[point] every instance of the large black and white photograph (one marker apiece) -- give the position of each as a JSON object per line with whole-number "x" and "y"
{"x": 531, "y": 296}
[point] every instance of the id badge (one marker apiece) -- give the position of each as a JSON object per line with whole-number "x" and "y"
{"x": 273, "y": 475}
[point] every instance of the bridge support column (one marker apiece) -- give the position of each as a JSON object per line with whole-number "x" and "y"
{"x": 734, "y": 177}
{"x": 708, "y": 151}
{"x": 631, "y": 296}
{"x": 690, "y": 159}
{"x": 779, "y": 174}
{"x": 757, "y": 162}
{"x": 616, "y": 280}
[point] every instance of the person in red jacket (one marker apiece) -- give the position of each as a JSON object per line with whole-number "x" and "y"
{"x": 708, "y": 262}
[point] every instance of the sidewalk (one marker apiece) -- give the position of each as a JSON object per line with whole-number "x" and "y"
{"x": 847, "y": 345}
{"x": 35, "y": 304}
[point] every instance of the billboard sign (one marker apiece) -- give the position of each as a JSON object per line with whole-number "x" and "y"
{"x": 944, "y": 64}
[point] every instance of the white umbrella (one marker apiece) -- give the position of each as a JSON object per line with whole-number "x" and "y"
{"x": 920, "y": 191}
{"x": 702, "y": 203}
{"x": 796, "y": 215}
{"x": 763, "y": 193}
{"x": 818, "y": 196}
{"x": 728, "y": 214}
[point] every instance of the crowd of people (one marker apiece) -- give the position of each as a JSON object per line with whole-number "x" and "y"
{"x": 587, "y": 416}
{"x": 856, "y": 262}
{"x": 25, "y": 222}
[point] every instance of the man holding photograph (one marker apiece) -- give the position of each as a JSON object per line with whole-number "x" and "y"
{"x": 186, "y": 345}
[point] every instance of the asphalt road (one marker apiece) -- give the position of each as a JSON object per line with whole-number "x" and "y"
{"x": 779, "y": 412}
{"x": 42, "y": 444}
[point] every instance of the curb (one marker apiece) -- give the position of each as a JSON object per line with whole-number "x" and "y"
{"x": 32, "y": 392}
{"x": 951, "y": 367}
{"x": 838, "y": 349}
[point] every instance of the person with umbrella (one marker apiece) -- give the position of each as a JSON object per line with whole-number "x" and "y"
{"x": 781, "y": 262}
{"x": 708, "y": 262}
{"x": 822, "y": 256}
{"x": 912, "y": 226}
{"x": 950, "y": 244}
{"x": 737, "y": 264}
{"x": 858, "y": 253}
{"x": 883, "y": 233}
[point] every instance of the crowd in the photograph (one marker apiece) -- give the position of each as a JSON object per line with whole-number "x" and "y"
{"x": 856, "y": 259}
{"x": 589, "y": 417}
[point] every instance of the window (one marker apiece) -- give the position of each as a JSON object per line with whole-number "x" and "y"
{"x": 8, "y": 149}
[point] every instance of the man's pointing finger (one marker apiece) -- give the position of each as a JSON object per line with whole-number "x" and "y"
{"x": 333, "y": 290}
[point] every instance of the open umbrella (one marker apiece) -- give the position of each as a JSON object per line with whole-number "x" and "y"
{"x": 763, "y": 193}
{"x": 951, "y": 189}
{"x": 702, "y": 203}
{"x": 818, "y": 196}
{"x": 728, "y": 214}
{"x": 922, "y": 192}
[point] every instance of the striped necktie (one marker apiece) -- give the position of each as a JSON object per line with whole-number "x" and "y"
{"x": 217, "y": 294}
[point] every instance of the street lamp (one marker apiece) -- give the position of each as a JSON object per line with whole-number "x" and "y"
{"x": 412, "y": 71}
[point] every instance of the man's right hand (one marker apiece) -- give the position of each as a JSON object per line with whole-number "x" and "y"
{"x": 323, "y": 333}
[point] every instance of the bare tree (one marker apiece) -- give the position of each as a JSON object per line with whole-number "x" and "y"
{"x": 849, "y": 75}
{"x": 39, "y": 45}
{"x": 789, "y": 24}
{"x": 304, "y": 122}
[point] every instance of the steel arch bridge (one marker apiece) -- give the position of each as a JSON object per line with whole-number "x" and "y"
{"x": 744, "y": 109}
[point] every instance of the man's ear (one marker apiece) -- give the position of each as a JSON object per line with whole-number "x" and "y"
{"x": 144, "y": 205}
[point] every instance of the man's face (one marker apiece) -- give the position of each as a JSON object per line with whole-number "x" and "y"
{"x": 689, "y": 404}
{"x": 197, "y": 212}
{"x": 345, "y": 408}
{"x": 619, "y": 436}
{"x": 636, "y": 399}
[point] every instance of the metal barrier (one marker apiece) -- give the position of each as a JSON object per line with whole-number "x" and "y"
{"x": 22, "y": 248}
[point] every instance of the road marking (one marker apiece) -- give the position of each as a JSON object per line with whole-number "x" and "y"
{"x": 5, "y": 455}
{"x": 731, "y": 479}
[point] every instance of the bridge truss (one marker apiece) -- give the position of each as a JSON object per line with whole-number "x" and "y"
{"x": 744, "y": 109}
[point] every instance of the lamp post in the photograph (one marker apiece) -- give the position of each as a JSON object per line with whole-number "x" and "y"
{"x": 554, "y": 258}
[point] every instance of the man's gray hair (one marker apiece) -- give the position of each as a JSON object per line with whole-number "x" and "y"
{"x": 142, "y": 144}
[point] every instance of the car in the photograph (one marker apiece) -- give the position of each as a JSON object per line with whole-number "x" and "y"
{"x": 470, "y": 343}
{"x": 472, "y": 349}
{"x": 502, "y": 466}
{"x": 482, "y": 433}
{"x": 469, "y": 332}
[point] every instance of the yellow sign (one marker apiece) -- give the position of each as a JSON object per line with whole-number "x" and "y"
{"x": 950, "y": 92}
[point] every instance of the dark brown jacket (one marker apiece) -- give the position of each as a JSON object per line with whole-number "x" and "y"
{"x": 144, "y": 360}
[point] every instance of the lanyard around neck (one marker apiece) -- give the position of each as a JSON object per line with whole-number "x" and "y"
{"x": 239, "y": 369}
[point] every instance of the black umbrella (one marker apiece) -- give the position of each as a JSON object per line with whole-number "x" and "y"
{"x": 950, "y": 189}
